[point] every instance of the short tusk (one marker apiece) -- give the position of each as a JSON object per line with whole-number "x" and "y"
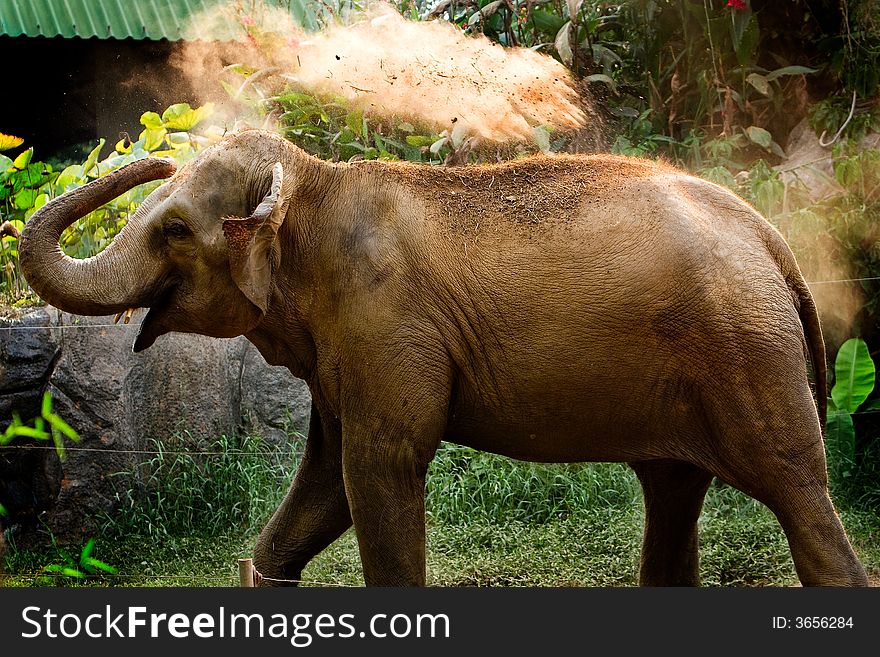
{"x": 126, "y": 313}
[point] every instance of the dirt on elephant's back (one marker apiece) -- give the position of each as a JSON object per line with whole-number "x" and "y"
{"x": 538, "y": 190}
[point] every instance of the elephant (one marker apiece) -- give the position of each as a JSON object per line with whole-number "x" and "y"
{"x": 556, "y": 308}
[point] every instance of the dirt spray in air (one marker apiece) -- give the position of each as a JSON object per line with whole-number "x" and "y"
{"x": 429, "y": 73}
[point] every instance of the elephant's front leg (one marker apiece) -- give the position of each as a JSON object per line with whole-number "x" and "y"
{"x": 313, "y": 514}
{"x": 389, "y": 437}
{"x": 385, "y": 483}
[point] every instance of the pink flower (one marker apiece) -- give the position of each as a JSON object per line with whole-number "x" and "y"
{"x": 249, "y": 20}
{"x": 737, "y": 5}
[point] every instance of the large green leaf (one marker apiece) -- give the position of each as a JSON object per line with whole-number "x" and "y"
{"x": 23, "y": 159}
{"x": 151, "y": 121}
{"x": 70, "y": 175}
{"x": 8, "y": 142}
{"x": 759, "y": 136}
{"x": 24, "y": 200}
{"x": 547, "y": 22}
{"x": 182, "y": 117}
{"x": 854, "y": 375}
{"x": 789, "y": 70}
{"x": 739, "y": 23}
{"x": 92, "y": 159}
{"x": 840, "y": 438}
{"x": 748, "y": 41}
{"x": 153, "y": 138}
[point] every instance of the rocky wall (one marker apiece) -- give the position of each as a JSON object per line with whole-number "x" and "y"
{"x": 187, "y": 387}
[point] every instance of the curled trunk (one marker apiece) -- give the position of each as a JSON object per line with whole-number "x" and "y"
{"x": 114, "y": 280}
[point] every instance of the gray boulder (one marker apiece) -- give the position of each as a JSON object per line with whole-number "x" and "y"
{"x": 29, "y": 348}
{"x": 186, "y": 391}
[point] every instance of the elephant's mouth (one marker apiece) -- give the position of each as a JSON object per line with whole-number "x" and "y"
{"x": 155, "y": 323}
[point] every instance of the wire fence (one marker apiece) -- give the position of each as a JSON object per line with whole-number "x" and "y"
{"x": 232, "y": 579}
{"x": 143, "y": 452}
{"x": 248, "y": 577}
{"x": 110, "y": 578}
{"x": 845, "y": 280}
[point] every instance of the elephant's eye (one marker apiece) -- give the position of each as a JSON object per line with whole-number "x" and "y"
{"x": 176, "y": 229}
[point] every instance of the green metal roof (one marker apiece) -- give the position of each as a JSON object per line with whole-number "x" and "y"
{"x": 123, "y": 19}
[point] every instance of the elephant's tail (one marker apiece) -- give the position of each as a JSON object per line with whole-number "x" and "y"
{"x": 809, "y": 315}
{"x": 815, "y": 345}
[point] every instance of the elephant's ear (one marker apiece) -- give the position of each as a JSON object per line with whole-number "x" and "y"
{"x": 251, "y": 243}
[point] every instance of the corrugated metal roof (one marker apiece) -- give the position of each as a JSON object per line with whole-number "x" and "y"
{"x": 136, "y": 19}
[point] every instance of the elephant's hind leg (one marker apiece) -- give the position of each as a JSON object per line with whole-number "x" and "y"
{"x": 794, "y": 487}
{"x": 313, "y": 514}
{"x": 821, "y": 551}
{"x": 674, "y": 492}
{"x": 769, "y": 445}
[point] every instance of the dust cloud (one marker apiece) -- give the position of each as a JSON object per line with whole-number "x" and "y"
{"x": 428, "y": 73}
{"x": 840, "y": 304}
{"x": 828, "y": 267}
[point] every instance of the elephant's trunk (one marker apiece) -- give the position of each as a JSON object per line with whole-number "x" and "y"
{"x": 116, "y": 279}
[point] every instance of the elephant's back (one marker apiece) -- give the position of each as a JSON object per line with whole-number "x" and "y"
{"x": 522, "y": 197}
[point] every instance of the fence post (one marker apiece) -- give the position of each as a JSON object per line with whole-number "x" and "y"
{"x": 246, "y": 573}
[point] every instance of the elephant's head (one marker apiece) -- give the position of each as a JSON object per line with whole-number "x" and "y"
{"x": 199, "y": 252}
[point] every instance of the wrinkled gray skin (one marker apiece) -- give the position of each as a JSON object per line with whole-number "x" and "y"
{"x": 566, "y": 309}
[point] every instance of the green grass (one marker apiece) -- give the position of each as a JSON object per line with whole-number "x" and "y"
{"x": 238, "y": 483}
{"x": 491, "y": 522}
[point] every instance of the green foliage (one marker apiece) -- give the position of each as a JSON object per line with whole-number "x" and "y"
{"x": 78, "y": 567}
{"x": 741, "y": 541}
{"x": 840, "y": 439}
{"x": 687, "y": 68}
{"x": 466, "y": 485}
{"x": 858, "y": 172}
{"x": 237, "y": 483}
{"x": 854, "y": 50}
{"x": 639, "y": 140}
{"x": 58, "y": 428}
{"x": 838, "y": 232}
{"x": 329, "y": 128}
{"x": 86, "y": 565}
{"x": 854, "y": 377}
{"x": 837, "y": 114}
{"x": 765, "y": 189}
